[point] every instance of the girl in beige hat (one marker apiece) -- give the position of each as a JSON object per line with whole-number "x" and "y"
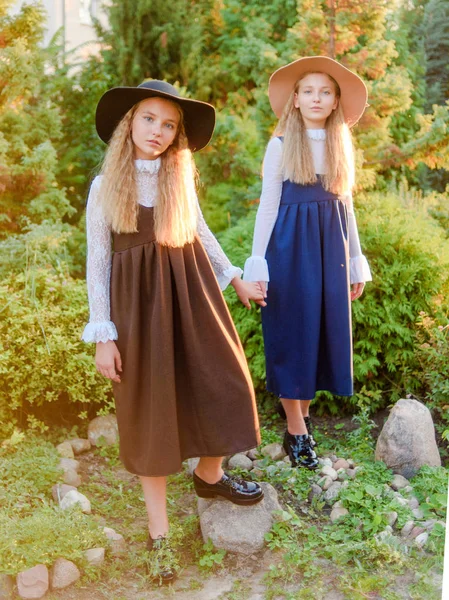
{"x": 306, "y": 242}
{"x": 163, "y": 333}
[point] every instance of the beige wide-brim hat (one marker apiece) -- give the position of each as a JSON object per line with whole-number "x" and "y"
{"x": 354, "y": 94}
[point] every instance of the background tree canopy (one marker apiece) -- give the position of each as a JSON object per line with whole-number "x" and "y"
{"x": 223, "y": 51}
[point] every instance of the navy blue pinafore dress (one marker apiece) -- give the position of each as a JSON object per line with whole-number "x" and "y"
{"x": 307, "y": 321}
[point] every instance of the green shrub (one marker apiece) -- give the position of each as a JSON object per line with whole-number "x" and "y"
{"x": 409, "y": 259}
{"x": 46, "y": 370}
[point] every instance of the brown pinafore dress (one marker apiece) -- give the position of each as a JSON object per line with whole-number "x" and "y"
{"x": 185, "y": 387}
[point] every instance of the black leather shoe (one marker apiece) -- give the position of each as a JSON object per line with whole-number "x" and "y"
{"x": 281, "y": 412}
{"x": 300, "y": 451}
{"x": 230, "y": 487}
{"x": 161, "y": 560}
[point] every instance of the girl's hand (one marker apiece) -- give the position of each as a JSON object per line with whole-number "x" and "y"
{"x": 108, "y": 361}
{"x": 263, "y": 287}
{"x": 248, "y": 290}
{"x": 357, "y": 290}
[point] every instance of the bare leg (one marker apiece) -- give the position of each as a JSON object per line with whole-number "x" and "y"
{"x": 295, "y": 417}
{"x": 305, "y": 407}
{"x": 209, "y": 469}
{"x": 155, "y": 494}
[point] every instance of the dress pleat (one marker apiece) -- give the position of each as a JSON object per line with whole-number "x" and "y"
{"x": 307, "y": 320}
{"x": 185, "y": 389}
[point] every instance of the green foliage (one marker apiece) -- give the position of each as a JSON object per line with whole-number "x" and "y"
{"x": 43, "y": 360}
{"x": 211, "y": 557}
{"x": 32, "y": 529}
{"x": 430, "y": 487}
{"x": 432, "y": 352}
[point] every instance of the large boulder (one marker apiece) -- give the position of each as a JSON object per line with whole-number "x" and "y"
{"x": 239, "y": 529}
{"x": 407, "y": 440}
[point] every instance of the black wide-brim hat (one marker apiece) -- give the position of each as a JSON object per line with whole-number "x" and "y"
{"x": 199, "y": 117}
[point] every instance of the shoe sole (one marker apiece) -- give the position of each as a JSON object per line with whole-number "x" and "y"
{"x": 239, "y": 501}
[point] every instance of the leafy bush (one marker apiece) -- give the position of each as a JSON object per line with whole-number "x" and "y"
{"x": 45, "y": 368}
{"x": 409, "y": 258}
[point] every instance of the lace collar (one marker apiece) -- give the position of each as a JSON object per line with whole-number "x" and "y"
{"x": 316, "y": 134}
{"x": 148, "y": 166}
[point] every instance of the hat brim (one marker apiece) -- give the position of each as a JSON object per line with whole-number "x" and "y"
{"x": 354, "y": 94}
{"x": 199, "y": 117}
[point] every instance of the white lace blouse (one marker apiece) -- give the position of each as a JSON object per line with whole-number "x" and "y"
{"x": 100, "y": 327}
{"x": 256, "y": 267}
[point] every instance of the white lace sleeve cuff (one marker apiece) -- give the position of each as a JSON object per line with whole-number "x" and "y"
{"x": 99, "y": 332}
{"x": 359, "y": 269}
{"x": 256, "y": 269}
{"x": 225, "y": 278}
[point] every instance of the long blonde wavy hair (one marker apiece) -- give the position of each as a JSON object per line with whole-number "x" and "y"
{"x": 176, "y": 213}
{"x": 297, "y": 160}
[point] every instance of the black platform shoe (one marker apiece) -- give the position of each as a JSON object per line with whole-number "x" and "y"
{"x": 300, "y": 451}
{"x": 161, "y": 563}
{"x": 307, "y": 420}
{"x": 238, "y": 491}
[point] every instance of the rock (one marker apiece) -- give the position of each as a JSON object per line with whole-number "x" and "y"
{"x": 413, "y": 502}
{"x": 252, "y": 454}
{"x": 103, "y": 430}
{"x": 408, "y": 489}
{"x": 274, "y": 451}
{"x": 418, "y": 514}
{"x": 325, "y": 462}
{"x": 382, "y": 536}
{"x": 333, "y": 491}
{"x": 116, "y": 541}
{"x": 325, "y": 482}
{"x": 192, "y": 464}
{"x": 333, "y": 458}
{"x": 421, "y": 539}
{"x": 400, "y": 499}
{"x": 429, "y": 525}
{"x": 351, "y": 463}
{"x": 33, "y": 583}
{"x": 240, "y": 461}
{"x": 337, "y": 513}
{"x": 67, "y": 464}
{"x": 315, "y": 492}
{"x": 258, "y": 472}
{"x": 65, "y": 450}
{"x": 341, "y": 463}
{"x": 351, "y": 473}
{"x": 239, "y": 529}
{"x": 407, "y": 529}
{"x": 398, "y": 482}
{"x": 59, "y": 490}
{"x": 329, "y": 472}
{"x": 341, "y": 474}
{"x": 95, "y": 556}
{"x": 416, "y": 531}
{"x": 259, "y": 463}
{"x": 6, "y": 586}
{"x": 74, "y": 497}
{"x": 392, "y": 517}
{"x": 288, "y": 460}
{"x": 80, "y": 445}
{"x": 72, "y": 478}
{"x": 63, "y": 573}
{"x": 407, "y": 440}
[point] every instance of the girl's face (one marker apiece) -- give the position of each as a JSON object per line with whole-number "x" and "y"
{"x": 316, "y": 98}
{"x": 154, "y": 127}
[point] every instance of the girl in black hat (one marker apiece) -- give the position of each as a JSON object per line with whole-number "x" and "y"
{"x": 163, "y": 331}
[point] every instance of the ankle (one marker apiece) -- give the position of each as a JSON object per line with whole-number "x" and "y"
{"x": 297, "y": 430}
{"x": 209, "y": 476}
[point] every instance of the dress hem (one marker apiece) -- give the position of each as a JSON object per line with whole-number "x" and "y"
{"x": 287, "y": 396}
{"x": 208, "y": 455}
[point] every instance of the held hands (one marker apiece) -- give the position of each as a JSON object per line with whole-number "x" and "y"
{"x": 357, "y": 290}
{"x": 248, "y": 290}
{"x": 108, "y": 361}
